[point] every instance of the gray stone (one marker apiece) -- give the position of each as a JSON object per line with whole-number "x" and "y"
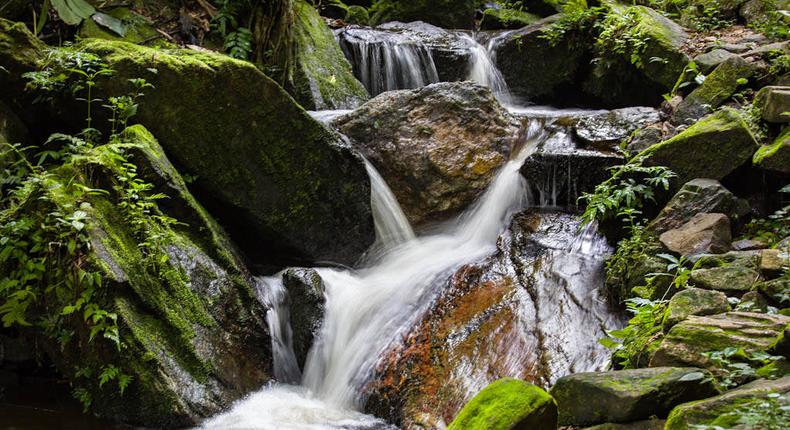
{"x": 694, "y": 301}
{"x": 709, "y": 60}
{"x": 749, "y": 244}
{"x": 703, "y": 233}
{"x": 306, "y": 308}
{"x": 773, "y": 101}
{"x": 607, "y": 129}
{"x": 698, "y": 196}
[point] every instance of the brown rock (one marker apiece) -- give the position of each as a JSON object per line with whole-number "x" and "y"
{"x": 773, "y": 261}
{"x": 704, "y": 233}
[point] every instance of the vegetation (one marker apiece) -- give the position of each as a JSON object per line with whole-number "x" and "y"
{"x": 634, "y": 344}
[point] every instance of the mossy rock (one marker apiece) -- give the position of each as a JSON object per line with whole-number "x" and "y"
{"x": 508, "y": 404}
{"x": 651, "y": 424}
{"x": 776, "y": 156}
{"x": 712, "y": 148}
{"x": 442, "y": 13}
{"x": 777, "y": 290}
{"x": 137, "y": 28}
{"x": 737, "y": 277}
{"x": 627, "y": 395}
{"x": 504, "y": 18}
{"x": 694, "y": 301}
{"x": 718, "y": 87}
{"x": 289, "y": 187}
{"x": 357, "y": 15}
{"x": 686, "y": 342}
{"x": 195, "y": 338}
{"x": 20, "y": 52}
{"x": 726, "y": 410}
{"x": 323, "y": 78}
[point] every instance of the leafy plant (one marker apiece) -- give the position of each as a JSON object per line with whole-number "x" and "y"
{"x": 629, "y": 187}
{"x": 773, "y": 228}
{"x": 634, "y": 344}
{"x": 769, "y": 413}
{"x": 677, "y": 269}
{"x": 736, "y": 366}
{"x": 576, "y": 20}
{"x": 238, "y": 43}
{"x": 620, "y": 34}
{"x": 237, "y": 38}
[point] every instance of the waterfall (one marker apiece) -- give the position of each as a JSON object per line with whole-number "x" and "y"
{"x": 391, "y": 224}
{"x": 273, "y": 294}
{"x": 483, "y": 70}
{"x": 389, "y": 64}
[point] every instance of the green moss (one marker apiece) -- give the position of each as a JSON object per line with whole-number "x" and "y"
{"x": 357, "y": 15}
{"x": 507, "y": 404}
{"x": 504, "y": 18}
{"x": 138, "y": 28}
{"x": 442, "y": 13}
{"x": 775, "y": 156}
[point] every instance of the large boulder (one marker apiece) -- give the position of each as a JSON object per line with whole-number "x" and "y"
{"x": 323, "y": 78}
{"x": 191, "y": 335}
{"x": 537, "y": 69}
{"x": 627, "y": 395}
{"x": 437, "y": 147}
{"x": 443, "y": 13}
{"x": 694, "y": 301}
{"x": 776, "y": 156}
{"x": 774, "y": 102}
{"x": 703, "y": 233}
{"x": 732, "y": 273}
{"x": 290, "y": 188}
{"x": 20, "y": 52}
{"x": 508, "y": 404}
{"x": 688, "y": 341}
{"x": 759, "y": 405}
{"x": 698, "y": 196}
{"x": 719, "y": 86}
{"x": 711, "y": 148}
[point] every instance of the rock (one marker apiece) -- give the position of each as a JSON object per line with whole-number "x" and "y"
{"x": 728, "y": 408}
{"x": 442, "y": 13}
{"x": 137, "y": 28}
{"x": 752, "y": 302}
{"x": 708, "y": 61}
{"x": 20, "y": 52}
{"x": 618, "y": 82}
{"x": 609, "y": 129}
{"x": 749, "y": 244}
{"x": 773, "y": 102}
{"x": 306, "y": 304}
{"x": 627, "y": 395}
{"x": 195, "y": 338}
{"x": 735, "y": 277}
{"x": 686, "y": 342}
{"x": 323, "y": 78}
{"x": 357, "y": 15}
{"x": 698, "y": 196}
{"x": 711, "y": 148}
{"x": 535, "y": 69}
{"x": 696, "y": 10}
{"x": 736, "y": 48}
{"x": 437, "y": 147}
{"x": 508, "y": 404}
{"x": 776, "y": 156}
{"x": 773, "y": 262}
{"x": 504, "y": 18}
{"x": 694, "y": 301}
{"x": 782, "y": 344}
{"x": 651, "y": 424}
{"x": 291, "y": 188}
{"x": 719, "y": 86}
{"x": 645, "y": 138}
{"x": 12, "y": 130}
{"x": 703, "y": 233}
{"x": 778, "y": 290}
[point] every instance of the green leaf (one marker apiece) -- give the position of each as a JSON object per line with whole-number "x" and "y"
{"x": 72, "y": 12}
{"x": 110, "y": 22}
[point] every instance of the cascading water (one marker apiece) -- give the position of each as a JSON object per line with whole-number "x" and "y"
{"x": 483, "y": 70}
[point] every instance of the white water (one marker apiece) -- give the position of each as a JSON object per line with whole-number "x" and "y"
{"x": 483, "y": 70}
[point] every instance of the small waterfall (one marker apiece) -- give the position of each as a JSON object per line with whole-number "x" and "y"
{"x": 392, "y": 227}
{"x": 483, "y": 70}
{"x": 389, "y": 64}
{"x": 272, "y": 292}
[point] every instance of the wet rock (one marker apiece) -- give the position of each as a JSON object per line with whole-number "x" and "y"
{"x": 437, "y": 147}
{"x": 703, "y": 233}
{"x": 776, "y": 156}
{"x": 627, "y": 395}
{"x": 306, "y": 304}
{"x": 731, "y": 273}
{"x": 711, "y": 148}
{"x": 709, "y": 60}
{"x": 323, "y": 78}
{"x": 731, "y": 406}
{"x": 694, "y": 301}
{"x": 535, "y": 69}
{"x": 609, "y": 129}
{"x": 508, "y": 404}
{"x": 698, "y": 196}
{"x": 719, "y": 86}
{"x": 289, "y": 187}
{"x": 773, "y": 102}
{"x": 686, "y": 342}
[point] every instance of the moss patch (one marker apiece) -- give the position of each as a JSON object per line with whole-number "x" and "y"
{"x": 507, "y": 404}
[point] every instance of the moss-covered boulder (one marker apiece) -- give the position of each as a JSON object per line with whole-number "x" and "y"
{"x": 776, "y": 156}
{"x": 323, "y": 78}
{"x": 719, "y": 86}
{"x": 698, "y": 196}
{"x": 777, "y": 290}
{"x": 443, "y": 13}
{"x": 135, "y": 27}
{"x": 508, "y": 404}
{"x": 289, "y": 187}
{"x": 20, "y": 52}
{"x": 631, "y": 75}
{"x": 357, "y": 15}
{"x": 774, "y": 103}
{"x": 537, "y": 69}
{"x": 708, "y": 61}
{"x": 627, "y": 395}
{"x": 733, "y": 277}
{"x": 711, "y": 148}
{"x": 686, "y": 342}
{"x": 505, "y": 18}
{"x": 694, "y": 301}
{"x": 759, "y": 405}
{"x": 190, "y": 336}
